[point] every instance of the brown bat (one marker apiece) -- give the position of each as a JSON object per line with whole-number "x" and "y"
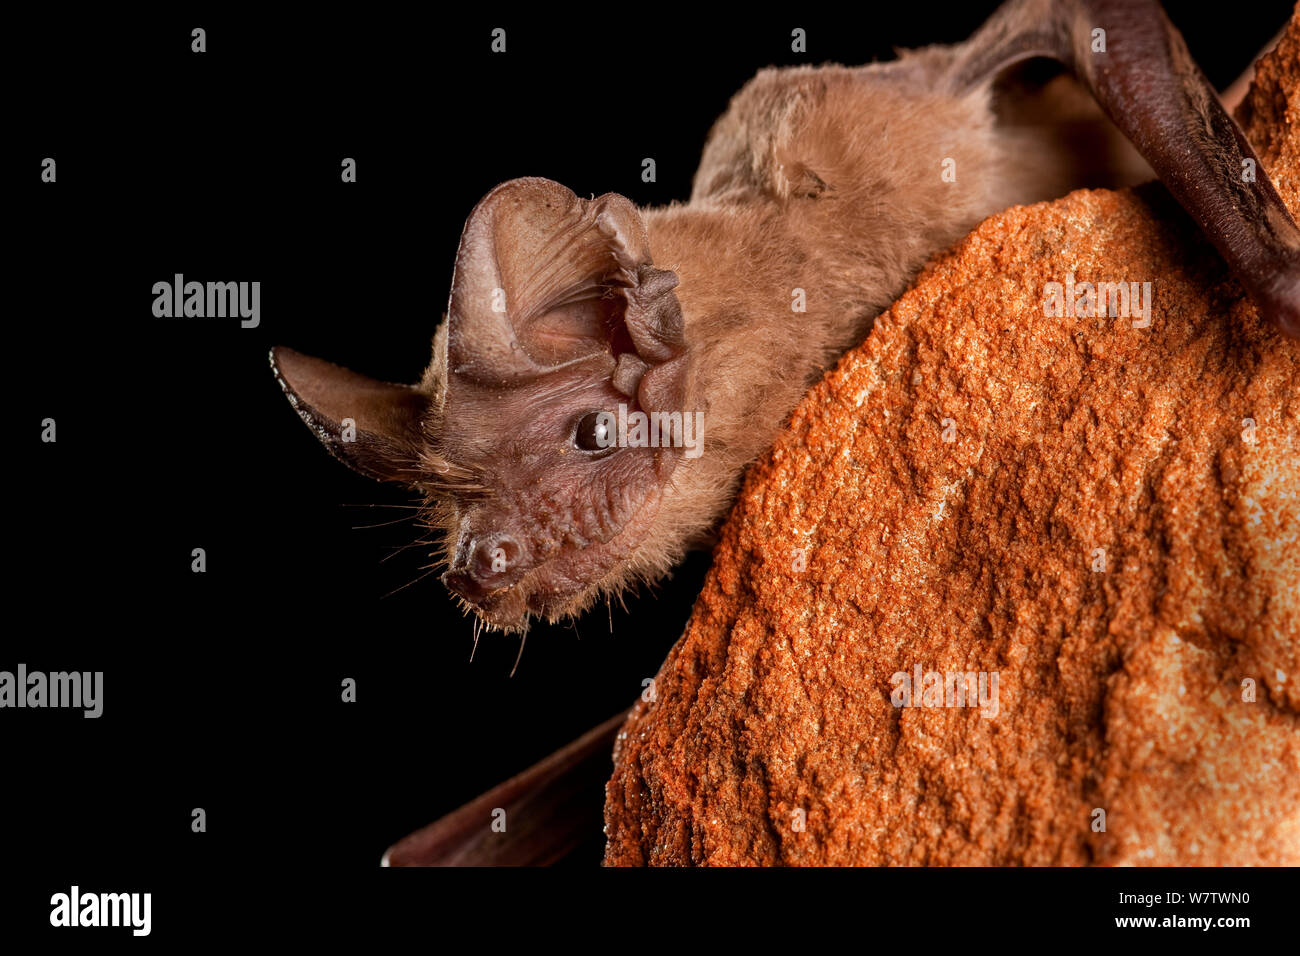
{"x": 821, "y": 193}
{"x": 824, "y": 185}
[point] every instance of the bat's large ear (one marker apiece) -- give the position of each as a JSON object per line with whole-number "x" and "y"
{"x": 545, "y": 279}
{"x": 374, "y": 427}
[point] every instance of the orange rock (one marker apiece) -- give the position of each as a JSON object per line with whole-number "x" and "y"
{"x": 1113, "y": 530}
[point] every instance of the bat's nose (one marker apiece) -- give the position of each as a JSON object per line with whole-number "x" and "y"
{"x": 490, "y": 563}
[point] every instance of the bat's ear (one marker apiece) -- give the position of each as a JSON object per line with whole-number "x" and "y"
{"x": 374, "y": 427}
{"x": 544, "y": 279}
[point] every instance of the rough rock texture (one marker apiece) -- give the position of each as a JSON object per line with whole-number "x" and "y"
{"x": 773, "y": 738}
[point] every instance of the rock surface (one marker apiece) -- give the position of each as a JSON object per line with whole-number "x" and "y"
{"x": 1113, "y": 530}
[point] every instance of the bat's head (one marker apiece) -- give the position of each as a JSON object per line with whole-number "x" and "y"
{"x": 530, "y": 434}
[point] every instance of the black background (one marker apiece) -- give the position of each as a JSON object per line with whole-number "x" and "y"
{"x": 222, "y": 690}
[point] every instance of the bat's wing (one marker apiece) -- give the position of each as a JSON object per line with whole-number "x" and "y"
{"x": 550, "y": 809}
{"x": 1134, "y": 62}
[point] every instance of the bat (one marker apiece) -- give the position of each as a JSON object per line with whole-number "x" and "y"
{"x": 605, "y": 372}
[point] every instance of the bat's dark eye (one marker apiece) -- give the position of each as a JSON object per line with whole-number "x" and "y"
{"x": 594, "y": 432}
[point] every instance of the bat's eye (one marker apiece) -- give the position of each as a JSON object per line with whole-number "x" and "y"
{"x": 594, "y": 432}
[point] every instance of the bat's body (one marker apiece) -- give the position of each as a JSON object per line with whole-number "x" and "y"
{"x": 820, "y": 195}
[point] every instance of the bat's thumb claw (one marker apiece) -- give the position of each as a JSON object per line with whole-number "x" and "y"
{"x": 1279, "y": 299}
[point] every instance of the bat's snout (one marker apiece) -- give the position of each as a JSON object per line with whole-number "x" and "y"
{"x": 490, "y": 563}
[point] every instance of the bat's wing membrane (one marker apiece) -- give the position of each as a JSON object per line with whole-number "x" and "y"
{"x": 549, "y": 810}
{"x": 1134, "y": 62}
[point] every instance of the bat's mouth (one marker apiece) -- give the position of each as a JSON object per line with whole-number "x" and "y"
{"x": 507, "y": 609}
{"x": 566, "y": 584}
{"x": 539, "y": 594}
{"x": 510, "y": 609}
{"x": 552, "y": 591}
